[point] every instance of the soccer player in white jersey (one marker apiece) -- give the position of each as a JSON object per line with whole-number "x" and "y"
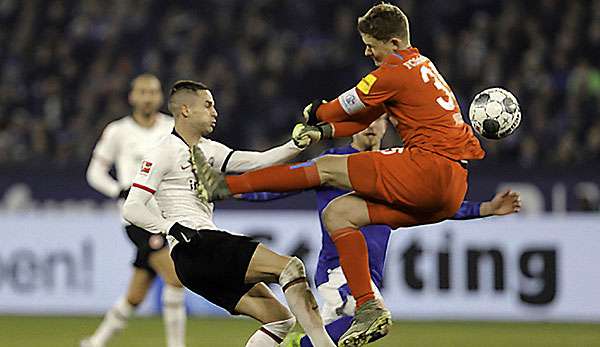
{"x": 123, "y": 144}
{"x": 226, "y": 269}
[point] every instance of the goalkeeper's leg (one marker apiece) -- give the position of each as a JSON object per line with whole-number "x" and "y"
{"x": 331, "y": 170}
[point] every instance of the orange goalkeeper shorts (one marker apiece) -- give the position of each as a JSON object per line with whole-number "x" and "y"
{"x": 407, "y": 187}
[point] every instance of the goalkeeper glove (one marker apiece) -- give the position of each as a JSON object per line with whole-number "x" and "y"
{"x": 310, "y": 112}
{"x": 304, "y": 135}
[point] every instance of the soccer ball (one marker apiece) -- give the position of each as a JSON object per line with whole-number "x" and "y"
{"x": 495, "y": 113}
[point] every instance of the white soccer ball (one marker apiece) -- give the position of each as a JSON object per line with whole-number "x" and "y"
{"x": 495, "y": 113}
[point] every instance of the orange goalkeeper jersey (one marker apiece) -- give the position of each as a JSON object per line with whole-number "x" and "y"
{"x": 409, "y": 88}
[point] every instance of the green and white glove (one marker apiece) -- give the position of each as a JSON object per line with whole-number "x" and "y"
{"x": 304, "y": 135}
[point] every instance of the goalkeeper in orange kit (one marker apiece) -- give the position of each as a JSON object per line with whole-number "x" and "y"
{"x": 425, "y": 183}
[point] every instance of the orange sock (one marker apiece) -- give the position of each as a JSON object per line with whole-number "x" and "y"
{"x": 279, "y": 178}
{"x": 354, "y": 259}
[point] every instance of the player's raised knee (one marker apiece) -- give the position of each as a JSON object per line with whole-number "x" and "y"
{"x": 335, "y": 217}
{"x": 293, "y": 273}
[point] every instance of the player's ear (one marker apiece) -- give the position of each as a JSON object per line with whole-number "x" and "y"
{"x": 185, "y": 111}
{"x": 396, "y": 43}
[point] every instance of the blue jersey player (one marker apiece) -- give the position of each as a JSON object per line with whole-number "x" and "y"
{"x": 338, "y": 304}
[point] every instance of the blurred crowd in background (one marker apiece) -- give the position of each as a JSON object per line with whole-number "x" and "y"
{"x": 65, "y": 67}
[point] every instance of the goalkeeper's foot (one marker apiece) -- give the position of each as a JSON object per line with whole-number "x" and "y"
{"x": 371, "y": 322}
{"x": 211, "y": 184}
{"x": 292, "y": 340}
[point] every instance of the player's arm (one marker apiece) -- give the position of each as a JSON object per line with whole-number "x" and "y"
{"x": 137, "y": 212}
{"x": 372, "y": 91}
{"x": 241, "y": 161}
{"x": 103, "y": 158}
{"x": 503, "y": 203}
{"x": 351, "y": 127}
{"x": 266, "y": 196}
{"x": 337, "y": 129}
{"x": 137, "y": 209}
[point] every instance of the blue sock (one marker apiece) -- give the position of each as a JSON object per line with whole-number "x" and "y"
{"x": 335, "y": 330}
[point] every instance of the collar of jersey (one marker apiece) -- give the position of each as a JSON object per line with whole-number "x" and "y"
{"x": 176, "y": 134}
{"x": 401, "y": 54}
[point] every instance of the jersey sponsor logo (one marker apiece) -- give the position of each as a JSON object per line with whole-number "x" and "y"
{"x": 146, "y": 167}
{"x": 366, "y": 83}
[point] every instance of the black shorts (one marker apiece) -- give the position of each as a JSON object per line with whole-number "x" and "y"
{"x": 146, "y": 243}
{"x": 214, "y": 264}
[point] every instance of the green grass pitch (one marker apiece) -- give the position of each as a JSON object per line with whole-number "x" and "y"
{"x": 19, "y": 331}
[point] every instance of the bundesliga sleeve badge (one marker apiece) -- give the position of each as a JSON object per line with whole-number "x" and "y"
{"x": 146, "y": 167}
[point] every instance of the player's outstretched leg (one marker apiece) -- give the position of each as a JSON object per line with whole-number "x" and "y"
{"x": 330, "y": 170}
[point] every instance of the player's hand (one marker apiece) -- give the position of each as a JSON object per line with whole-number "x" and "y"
{"x": 304, "y": 135}
{"x": 503, "y": 203}
{"x": 123, "y": 194}
{"x": 310, "y": 112}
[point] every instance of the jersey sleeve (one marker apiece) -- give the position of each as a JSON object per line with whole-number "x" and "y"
{"x": 357, "y": 122}
{"x": 153, "y": 169}
{"x": 220, "y": 154}
{"x": 108, "y": 145}
{"x": 227, "y": 160}
{"x": 468, "y": 210}
{"x": 140, "y": 209}
{"x": 371, "y": 92}
{"x": 379, "y": 86}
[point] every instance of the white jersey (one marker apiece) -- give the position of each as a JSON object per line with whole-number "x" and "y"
{"x": 124, "y": 143}
{"x": 167, "y": 174}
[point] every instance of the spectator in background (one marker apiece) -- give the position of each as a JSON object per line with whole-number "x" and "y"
{"x": 265, "y": 60}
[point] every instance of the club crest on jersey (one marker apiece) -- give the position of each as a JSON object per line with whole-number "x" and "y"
{"x": 146, "y": 167}
{"x": 366, "y": 83}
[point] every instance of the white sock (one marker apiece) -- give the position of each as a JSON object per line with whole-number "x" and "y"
{"x": 302, "y": 303}
{"x": 114, "y": 321}
{"x": 271, "y": 334}
{"x": 174, "y": 315}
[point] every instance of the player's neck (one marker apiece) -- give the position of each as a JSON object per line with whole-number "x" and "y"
{"x": 145, "y": 121}
{"x": 189, "y": 136}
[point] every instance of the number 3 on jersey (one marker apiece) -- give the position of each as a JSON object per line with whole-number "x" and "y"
{"x": 429, "y": 71}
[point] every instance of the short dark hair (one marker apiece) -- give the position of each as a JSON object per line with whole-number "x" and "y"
{"x": 178, "y": 93}
{"x": 187, "y": 85}
{"x": 384, "y": 21}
